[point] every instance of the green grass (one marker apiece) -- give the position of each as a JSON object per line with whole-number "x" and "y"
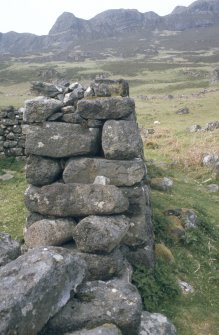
{"x": 12, "y": 211}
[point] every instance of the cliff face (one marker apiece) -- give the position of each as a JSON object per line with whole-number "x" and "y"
{"x": 68, "y": 30}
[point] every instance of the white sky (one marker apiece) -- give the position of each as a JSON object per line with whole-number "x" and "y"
{"x": 38, "y": 16}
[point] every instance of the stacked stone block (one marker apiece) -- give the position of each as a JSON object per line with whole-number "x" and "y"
{"x": 86, "y": 171}
{"x": 12, "y": 141}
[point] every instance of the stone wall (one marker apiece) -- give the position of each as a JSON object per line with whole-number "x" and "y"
{"x": 12, "y": 141}
{"x": 89, "y": 217}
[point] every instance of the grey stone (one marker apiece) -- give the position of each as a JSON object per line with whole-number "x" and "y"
{"x": 182, "y": 111}
{"x": 100, "y": 266}
{"x": 108, "y": 87}
{"x": 210, "y": 160}
{"x": 33, "y": 217}
{"x": 56, "y": 139}
{"x": 9, "y": 249}
{"x": 49, "y": 232}
{"x": 40, "y": 109}
{"x": 75, "y": 200}
{"x": 141, "y": 256}
{"x": 100, "y": 233}
{"x": 41, "y": 171}
{"x": 16, "y": 152}
{"x": 55, "y": 117}
{"x": 35, "y": 287}
{"x": 10, "y": 144}
{"x": 194, "y": 128}
{"x": 9, "y": 122}
{"x": 106, "y": 108}
{"x": 121, "y": 140}
{"x": 97, "y": 303}
{"x": 213, "y": 188}
{"x": 161, "y": 184}
{"x": 120, "y": 173}
{"x": 46, "y": 89}
{"x": 139, "y": 212}
{"x": 211, "y": 126}
{"x": 107, "y": 329}
{"x": 156, "y": 324}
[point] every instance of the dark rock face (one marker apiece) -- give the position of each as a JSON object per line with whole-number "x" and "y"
{"x": 52, "y": 140}
{"x": 75, "y": 200}
{"x": 36, "y": 286}
{"x": 9, "y": 249}
{"x": 42, "y": 171}
{"x": 100, "y": 234}
{"x": 97, "y": 303}
{"x": 121, "y": 139}
{"x": 120, "y": 173}
{"x": 107, "y": 329}
{"x": 106, "y": 108}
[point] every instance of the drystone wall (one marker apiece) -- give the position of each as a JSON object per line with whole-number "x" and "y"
{"x": 12, "y": 141}
{"x": 89, "y": 219}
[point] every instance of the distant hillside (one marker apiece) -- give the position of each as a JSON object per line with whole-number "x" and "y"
{"x": 69, "y": 32}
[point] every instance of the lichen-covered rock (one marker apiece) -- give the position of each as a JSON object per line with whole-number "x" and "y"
{"x": 107, "y": 329}
{"x": 35, "y": 287}
{"x": 41, "y": 171}
{"x": 9, "y": 249}
{"x": 59, "y": 139}
{"x": 161, "y": 184}
{"x": 49, "y": 232}
{"x": 97, "y": 303}
{"x": 100, "y": 266}
{"x": 46, "y": 89}
{"x": 121, "y": 140}
{"x": 40, "y": 109}
{"x": 106, "y": 87}
{"x": 120, "y": 173}
{"x": 100, "y": 233}
{"x": 75, "y": 200}
{"x": 106, "y": 108}
{"x": 156, "y": 324}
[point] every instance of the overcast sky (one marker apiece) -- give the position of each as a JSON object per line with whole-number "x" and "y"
{"x": 38, "y": 16}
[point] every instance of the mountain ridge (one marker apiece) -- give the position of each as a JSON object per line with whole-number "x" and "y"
{"x": 68, "y": 30}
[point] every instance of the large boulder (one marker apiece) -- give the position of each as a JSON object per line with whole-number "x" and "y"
{"x": 40, "y": 109}
{"x": 107, "y": 329}
{"x": 100, "y": 233}
{"x": 106, "y": 108}
{"x": 41, "y": 171}
{"x": 9, "y": 249}
{"x": 97, "y": 303}
{"x": 35, "y": 287}
{"x": 120, "y": 173}
{"x": 59, "y": 139}
{"x": 121, "y": 140}
{"x": 75, "y": 200}
{"x": 156, "y": 324}
{"x": 46, "y": 89}
{"x": 49, "y": 232}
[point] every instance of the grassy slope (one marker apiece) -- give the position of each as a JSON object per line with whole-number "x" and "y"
{"x": 196, "y": 257}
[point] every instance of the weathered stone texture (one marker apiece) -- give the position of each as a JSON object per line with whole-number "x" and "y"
{"x": 100, "y": 233}
{"x": 49, "y": 232}
{"x": 120, "y": 173}
{"x": 41, "y": 171}
{"x": 97, "y": 303}
{"x": 75, "y": 200}
{"x": 56, "y": 139}
{"x": 9, "y": 249}
{"x": 40, "y": 109}
{"x": 121, "y": 140}
{"x": 106, "y": 108}
{"x": 107, "y": 329}
{"x": 35, "y": 287}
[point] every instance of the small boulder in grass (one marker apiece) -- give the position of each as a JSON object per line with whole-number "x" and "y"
{"x": 156, "y": 324}
{"x": 161, "y": 184}
{"x": 182, "y": 111}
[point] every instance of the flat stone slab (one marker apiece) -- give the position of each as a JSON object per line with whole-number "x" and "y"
{"x": 75, "y": 200}
{"x": 57, "y": 139}
{"x": 100, "y": 233}
{"x": 121, "y": 140}
{"x": 49, "y": 232}
{"x": 120, "y": 173}
{"x": 97, "y": 303}
{"x": 35, "y": 287}
{"x": 40, "y": 109}
{"x": 106, "y": 108}
{"x": 9, "y": 249}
